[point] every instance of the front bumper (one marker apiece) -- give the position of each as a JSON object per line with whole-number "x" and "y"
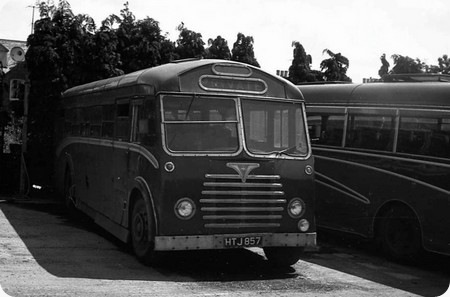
{"x": 203, "y": 242}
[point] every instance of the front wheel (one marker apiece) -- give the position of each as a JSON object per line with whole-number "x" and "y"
{"x": 142, "y": 233}
{"x": 400, "y": 234}
{"x": 283, "y": 256}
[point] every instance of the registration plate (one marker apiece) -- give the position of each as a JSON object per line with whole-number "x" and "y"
{"x": 242, "y": 241}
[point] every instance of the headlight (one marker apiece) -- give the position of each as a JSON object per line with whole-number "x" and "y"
{"x": 296, "y": 208}
{"x": 185, "y": 208}
{"x": 303, "y": 225}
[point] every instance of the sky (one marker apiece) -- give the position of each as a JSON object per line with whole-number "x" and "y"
{"x": 361, "y": 30}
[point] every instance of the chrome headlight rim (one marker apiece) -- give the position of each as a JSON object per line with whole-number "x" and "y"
{"x": 184, "y": 204}
{"x": 294, "y": 204}
{"x": 303, "y": 225}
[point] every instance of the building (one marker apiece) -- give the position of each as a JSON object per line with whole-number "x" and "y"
{"x": 13, "y": 75}
{"x": 11, "y": 53}
{"x": 13, "y": 71}
{"x": 283, "y": 73}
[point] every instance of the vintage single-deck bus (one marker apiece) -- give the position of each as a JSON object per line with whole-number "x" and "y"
{"x": 382, "y": 155}
{"x": 203, "y": 154}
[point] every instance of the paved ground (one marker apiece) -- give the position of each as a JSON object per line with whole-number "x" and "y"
{"x": 44, "y": 253}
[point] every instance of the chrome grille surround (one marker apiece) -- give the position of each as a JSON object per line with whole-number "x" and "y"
{"x": 230, "y": 201}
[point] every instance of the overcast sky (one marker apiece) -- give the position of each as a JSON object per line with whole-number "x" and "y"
{"x": 361, "y": 30}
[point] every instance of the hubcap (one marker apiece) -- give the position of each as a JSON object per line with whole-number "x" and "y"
{"x": 139, "y": 227}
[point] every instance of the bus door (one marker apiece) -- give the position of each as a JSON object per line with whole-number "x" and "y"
{"x": 132, "y": 126}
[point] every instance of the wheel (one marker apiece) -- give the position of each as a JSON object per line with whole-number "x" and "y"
{"x": 142, "y": 233}
{"x": 69, "y": 194}
{"x": 400, "y": 234}
{"x": 283, "y": 256}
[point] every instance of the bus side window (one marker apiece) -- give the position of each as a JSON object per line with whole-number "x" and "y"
{"x": 370, "y": 132}
{"x": 424, "y": 136}
{"x": 96, "y": 121}
{"x": 314, "y": 128}
{"x": 146, "y": 125}
{"x": 107, "y": 121}
{"x": 77, "y": 122}
{"x": 69, "y": 116}
{"x": 123, "y": 121}
{"x": 326, "y": 129}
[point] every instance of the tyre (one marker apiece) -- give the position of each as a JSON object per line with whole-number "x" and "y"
{"x": 400, "y": 234}
{"x": 283, "y": 256}
{"x": 143, "y": 233}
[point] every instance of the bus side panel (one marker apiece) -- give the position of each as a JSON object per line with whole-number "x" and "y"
{"x": 431, "y": 200}
{"x": 342, "y": 202}
{"x": 353, "y": 186}
{"x": 92, "y": 173}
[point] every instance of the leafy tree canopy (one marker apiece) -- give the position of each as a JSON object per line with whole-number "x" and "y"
{"x": 405, "y": 64}
{"x": 300, "y": 70}
{"x": 243, "y": 50}
{"x": 335, "y": 68}
{"x": 189, "y": 43}
{"x": 218, "y": 49}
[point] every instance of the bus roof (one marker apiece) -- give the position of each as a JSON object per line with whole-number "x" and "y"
{"x": 381, "y": 94}
{"x": 199, "y": 76}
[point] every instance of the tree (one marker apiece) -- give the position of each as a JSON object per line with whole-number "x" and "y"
{"x": 300, "y": 70}
{"x": 54, "y": 59}
{"x": 444, "y": 64}
{"x": 243, "y": 50}
{"x": 384, "y": 69}
{"x": 335, "y": 67}
{"x": 103, "y": 59}
{"x": 139, "y": 42}
{"x": 189, "y": 44}
{"x": 218, "y": 49}
{"x": 405, "y": 64}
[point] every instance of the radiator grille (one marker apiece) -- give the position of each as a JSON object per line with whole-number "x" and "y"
{"x": 228, "y": 201}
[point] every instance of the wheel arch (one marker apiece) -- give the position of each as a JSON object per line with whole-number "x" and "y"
{"x": 383, "y": 209}
{"x": 65, "y": 166}
{"x": 142, "y": 190}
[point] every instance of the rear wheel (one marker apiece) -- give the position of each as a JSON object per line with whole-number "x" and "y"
{"x": 283, "y": 256}
{"x": 142, "y": 233}
{"x": 400, "y": 234}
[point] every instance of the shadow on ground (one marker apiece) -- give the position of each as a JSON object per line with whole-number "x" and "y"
{"x": 77, "y": 248}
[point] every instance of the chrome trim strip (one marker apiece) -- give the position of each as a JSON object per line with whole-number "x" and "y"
{"x": 250, "y": 72}
{"x": 136, "y": 148}
{"x": 243, "y": 201}
{"x": 242, "y": 209}
{"x": 242, "y": 217}
{"x": 242, "y": 185}
{"x": 235, "y": 176}
{"x": 397, "y": 158}
{"x": 242, "y": 225}
{"x": 239, "y": 193}
{"x": 241, "y": 79}
{"x": 351, "y": 193}
{"x": 414, "y": 180}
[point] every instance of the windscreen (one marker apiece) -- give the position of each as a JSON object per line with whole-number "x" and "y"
{"x": 200, "y": 124}
{"x": 274, "y": 127}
